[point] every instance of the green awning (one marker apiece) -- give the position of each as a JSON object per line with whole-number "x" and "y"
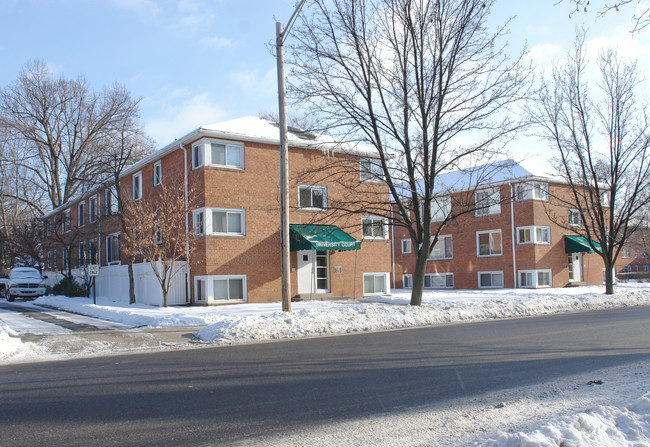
{"x": 579, "y": 244}
{"x": 321, "y": 237}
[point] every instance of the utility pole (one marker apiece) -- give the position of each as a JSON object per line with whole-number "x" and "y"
{"x": 280, "y": 36}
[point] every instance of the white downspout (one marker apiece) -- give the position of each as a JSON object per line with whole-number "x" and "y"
{"x": 392, "y": 246}
{"x": 512, "y": 231}
{"x": 188, "y": 282}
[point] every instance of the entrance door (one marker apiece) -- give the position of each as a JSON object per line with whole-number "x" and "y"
{"x": 313, "y": 271}
{"x": 575, "y": 267}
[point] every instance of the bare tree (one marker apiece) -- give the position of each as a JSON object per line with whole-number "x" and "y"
{"x": 640, "y": 19}
{"x": 423, "y": 82}
{"x": 601, "y": 134}
{"x": 59, "y": 121}
{"x": 158, "y": 231}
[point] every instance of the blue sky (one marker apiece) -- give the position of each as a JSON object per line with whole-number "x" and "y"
{"x": 203, "y": 61}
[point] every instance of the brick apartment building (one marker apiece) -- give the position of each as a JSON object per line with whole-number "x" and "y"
{"x": 522, "y": 237}
{"x": 235, "y": 167}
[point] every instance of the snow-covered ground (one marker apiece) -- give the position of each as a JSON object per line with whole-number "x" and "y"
{"x": 618, "y": 408}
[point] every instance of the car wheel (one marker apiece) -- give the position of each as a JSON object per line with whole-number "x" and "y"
{"x": 10, "y": 297}
{"x": 3, "y": 292}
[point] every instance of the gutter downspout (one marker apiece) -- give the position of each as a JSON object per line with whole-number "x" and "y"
{"x": 392, "y": 246}
{"x": 512, "y": 231}
{"x": 188, "y": 283}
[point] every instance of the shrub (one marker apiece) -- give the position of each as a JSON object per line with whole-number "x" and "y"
{"x": 68, "y": 287}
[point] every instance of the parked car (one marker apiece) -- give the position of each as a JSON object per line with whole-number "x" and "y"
{"x": 25, "y": 282}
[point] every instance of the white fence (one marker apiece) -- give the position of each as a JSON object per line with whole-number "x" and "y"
{"x": 113, "y": 282}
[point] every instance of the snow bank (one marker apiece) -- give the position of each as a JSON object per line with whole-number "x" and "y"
{"x": 602, "y": 426}
{"x": 11, "y": 346}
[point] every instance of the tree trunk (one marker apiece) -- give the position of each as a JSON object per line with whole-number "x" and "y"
{"x": 131, "y": 281}
{"x": 609, "y": 279}
{"x": 418, "y": 277}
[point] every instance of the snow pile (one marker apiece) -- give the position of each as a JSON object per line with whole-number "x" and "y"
{"x": 603, "y": 426}
{"x": 265, "y": 321}
{"x": 12, "y": 347}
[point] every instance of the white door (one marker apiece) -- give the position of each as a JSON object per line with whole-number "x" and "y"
{"x": 313, "y": 271}
{"x": 575, "y": 267}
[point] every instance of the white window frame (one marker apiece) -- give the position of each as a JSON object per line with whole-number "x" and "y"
{"x": 65, "y": 259}
{"x": 626, "y": 252}
{"x": 312, "y": 188}
{"x": 372, "y": 219}
{"x": 406, "y": 245}
{"x": 49, "y": 260}
{"x": 493, "y": 272}
{"x": 534, "y": 276}
{"x": 531, "y": 191}
{"x": 384, "y": 275}
{"x": 198, "y": 155}
{"x": 430, "y": 276}
{"x": 136, "y": 183}
{"x": 55, "y": 256}
{"x": 112, "y": 207}
{"x": 228, "y": 145}
{"x": 574, "y": 218}
{"x": 66, "y": 221}
{"x": 109, "y": 250}
{"x": 442, "y": 239}
{"x": 81, "y": 260}
{"x": 440, "y": 208}
{"x": 208, "y": 288}
{"x": 157, "y": 173}
{"x": 93, "y": 259}
{"x": 81, "y": 214}
{"x": 478, "y": 245}
{"x": 198, "y": 221}
{"x": 92, "y": 209}
{"x": 407, "y": 281}
{"x": 534, "y": 239}
{"x": 489, "y": 205}
{"x": 207, "y": 213}
{"x": 370, "y": 170}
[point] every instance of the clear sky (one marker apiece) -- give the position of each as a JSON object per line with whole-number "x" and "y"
{"x": 198, "y": 62}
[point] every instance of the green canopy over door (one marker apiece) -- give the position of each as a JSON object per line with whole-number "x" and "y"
{"x": 321, "y": 237}
{"x": 579, "y": 244}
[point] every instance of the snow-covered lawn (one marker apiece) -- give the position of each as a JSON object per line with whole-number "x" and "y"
{"x": 618, "y": 415}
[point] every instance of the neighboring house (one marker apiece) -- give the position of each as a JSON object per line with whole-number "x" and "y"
{"x": 519, "y": 235}
{"x": 634, "y": 258}
{"x": 235, "y": 167}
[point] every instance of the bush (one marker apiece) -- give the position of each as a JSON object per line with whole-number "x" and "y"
{"x": 68, "y": 287}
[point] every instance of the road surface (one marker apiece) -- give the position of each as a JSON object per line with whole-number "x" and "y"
{"x": 241, "y": 394}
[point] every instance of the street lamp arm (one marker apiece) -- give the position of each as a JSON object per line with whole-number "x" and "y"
{"x": 291, "y": 21}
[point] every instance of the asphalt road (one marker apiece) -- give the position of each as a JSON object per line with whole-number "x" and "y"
{"x": 233, "y": 395}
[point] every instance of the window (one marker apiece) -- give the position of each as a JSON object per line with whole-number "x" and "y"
{"x": 220, "y": 288}
{"x": 228, "y": 221}
{"x": 54, "y": 259}
{"x": 227, "y": 154}
{"x": 535, "y": 278}
{"x": 81, "y": 214}
{"x": 574, "y": 217}
{"x": 47, "y": 227}
{"x": 199, "y": 222}
{"x": 197, "y": 156}
{"x": 488, "y": 243}
{"x": 65, "y": 221}
{"x": 533, "y": 190}
{"x": 438, "y": 280}
{"x": 371, "y": 170}
{"x": 158, "y": 235}
{"x": 374, "y": 227}
{"x": 374, "y": 283}
{"x": 64, "y": 259}
{"x": 82, "y": 255}
{"x": 646, "y": 267}
{"x": 626, "y": 252}
{"x": 533, "y": 235}
{"x": 442, "y": 249}
{"x": 604, "y": 198}
{"x": 488, "y": 202}
{"x": 92, "y": 209}
{"x": 157, "y": 173}
{"x": 137, "y": 186}
{"x": 312, "y": 197}
{"x": 490, "y": 279}
{"x": 113, "y": 249}
{"x": 49, "y": 260}
{"x": 112, "y": 205}
{"x": 627, "y": 269}
{"x": 407, "y": 281}
{"x": 406, "y": 246}
{"x": 440, "y": 208}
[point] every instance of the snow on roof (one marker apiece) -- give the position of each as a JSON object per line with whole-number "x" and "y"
{"x": 252, "y": 128}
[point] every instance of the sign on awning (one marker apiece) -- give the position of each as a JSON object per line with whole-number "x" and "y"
{"x": 321, "y": 237}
